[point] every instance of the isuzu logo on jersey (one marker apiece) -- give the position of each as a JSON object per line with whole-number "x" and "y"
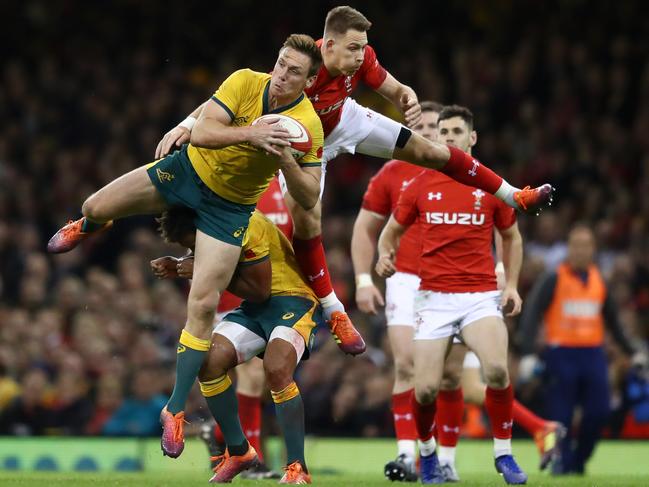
{"x": 434, "y": 196}
{"x": 478, "y": 194}
{"x": 444, "y": 218}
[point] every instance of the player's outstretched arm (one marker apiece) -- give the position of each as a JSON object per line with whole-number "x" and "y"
{"x": 512, "y": 243}
{"x": 178, "y": 135}
{"x": 364, "y": 240}
{"x": 388, "y": 246}
{"x": 403, "y": 97}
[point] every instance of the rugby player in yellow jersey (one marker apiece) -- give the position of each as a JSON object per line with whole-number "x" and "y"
{"x": 277, "y": 317}
{"x": 220, "y": 175}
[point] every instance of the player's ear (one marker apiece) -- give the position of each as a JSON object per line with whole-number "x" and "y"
{"x": 473, "y": 138}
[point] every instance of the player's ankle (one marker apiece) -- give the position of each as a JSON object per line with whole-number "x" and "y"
{"x": 330, "y": 304}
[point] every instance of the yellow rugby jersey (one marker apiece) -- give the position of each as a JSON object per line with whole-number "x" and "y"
{"x": 240, "y": 173}
{"x": 264, "y": 240}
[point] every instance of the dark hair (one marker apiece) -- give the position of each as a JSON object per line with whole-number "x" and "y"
{"x": 175, "y": 223}
{"x": 450, "y": 111}
{"x": 306, "y": 45}
{"x": 431, "y": 106}
{"x": 341, "y": 19}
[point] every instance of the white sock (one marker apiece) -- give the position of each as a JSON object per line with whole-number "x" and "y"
{"x": 427, "y": 448}
{"x": 330, "y": 303}
{"x": 502, "y": 447}
{"x": 446, "y": 455}
{"x": 407, "y": 448}
{"x": 506, "y": 193}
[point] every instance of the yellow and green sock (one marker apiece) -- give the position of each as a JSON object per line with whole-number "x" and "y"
{"x": 290, "y": 416}
{"x": 189, "y": 359}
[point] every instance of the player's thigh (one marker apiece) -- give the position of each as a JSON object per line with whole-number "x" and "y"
{"x": 306, "y": 223}
{"x": 487, "y": 338}
{"x": 453, "y": 367}
{"x": 132, "y": 193}
{"x": 429, "y": 365}
{"x": 250, "y": 377}
{"x": 401, "y": 343}
{"x": 385, "y": 136}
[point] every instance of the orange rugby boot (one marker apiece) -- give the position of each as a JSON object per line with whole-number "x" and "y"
{"x": 173, "y": 435}
{"x": 347, "y": 337}
{"x": 71, "y": 235}
{"x": 532, "y": 201}
{"x": 230, "y": 466}
{"x": 295, "y": 474}
{"x": 548, "y": 442}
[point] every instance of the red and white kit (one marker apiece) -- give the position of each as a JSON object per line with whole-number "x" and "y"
{"x": 348, "y": 126}
{"x": 456, "y": 265}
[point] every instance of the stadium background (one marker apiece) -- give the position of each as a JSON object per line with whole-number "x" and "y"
{"x": 560, "y": 91}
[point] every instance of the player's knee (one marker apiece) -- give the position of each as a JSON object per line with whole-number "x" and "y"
{"x": 426, "y": 393}
{"x": 450, "y": 380}
{"x": 496, "y": 376}
{"x": 92, "y": 209}
{"x": 307, "y": 222}
{"x": 200, "y": 309}
{"x": 278, "y": 373}
{"x": 404, "y": 370}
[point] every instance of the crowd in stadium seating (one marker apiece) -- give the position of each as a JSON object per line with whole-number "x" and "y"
{"x": 87, "y": 338}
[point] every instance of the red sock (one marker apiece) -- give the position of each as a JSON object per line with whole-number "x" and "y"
{"x": 468, "y": 170}
{"x": 250, "y": 417}
{"x": 498, "y": 403}
{"x": 404, "y": 419}
{"x": 526, "y": 418}
{"x": 450, "y": 411}
{"x": 424, "y": 417}
{"x": 310, "y": 256}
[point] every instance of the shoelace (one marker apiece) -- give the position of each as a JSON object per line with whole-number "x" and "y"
{"x": 177, "y": 431}
{"x": 222, "y": 459}
{"x": 512, "y": 465}
{"x": 293, "y": 470}
{"x": 345, "y": 331}
{"x": 520, "y": 200}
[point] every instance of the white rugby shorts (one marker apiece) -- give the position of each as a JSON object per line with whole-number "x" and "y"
{"x": 400, "y": 292}
{"x": 442, "y": 315}
{"x": 361, "y": 130}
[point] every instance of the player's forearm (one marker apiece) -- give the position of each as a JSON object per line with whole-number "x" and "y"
{"x": 512, "y": 258}
{"x": 363, "y": 249}
{"x": 389, "y": 239}
{"x": 303, "y": 186}
{"x": 209, "y": 133}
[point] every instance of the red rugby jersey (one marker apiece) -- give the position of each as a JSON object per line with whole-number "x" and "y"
{"x": 273, "y": 206}
{"x": 328, "y": 94}
{"x": 456, "y": 224}
{"x": 381, "y": 197}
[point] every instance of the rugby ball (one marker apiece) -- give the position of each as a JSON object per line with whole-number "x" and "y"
{"x": 299, "y": 137}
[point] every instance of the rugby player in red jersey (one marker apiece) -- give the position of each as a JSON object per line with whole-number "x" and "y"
{"x": 458, "y": 294}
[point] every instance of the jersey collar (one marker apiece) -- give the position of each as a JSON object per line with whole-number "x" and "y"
{"x": 264, "y": 109}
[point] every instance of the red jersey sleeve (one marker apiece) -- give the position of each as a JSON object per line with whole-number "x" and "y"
{"x": 372, "y": 73}
{"x": 377, "y": 196}
{"x": 504, "y": 216}
{"x": 405, "y": 213}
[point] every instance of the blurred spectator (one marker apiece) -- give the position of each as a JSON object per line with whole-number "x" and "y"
{"x": 30, "y": 413}
{"x": 138, "y": 414}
